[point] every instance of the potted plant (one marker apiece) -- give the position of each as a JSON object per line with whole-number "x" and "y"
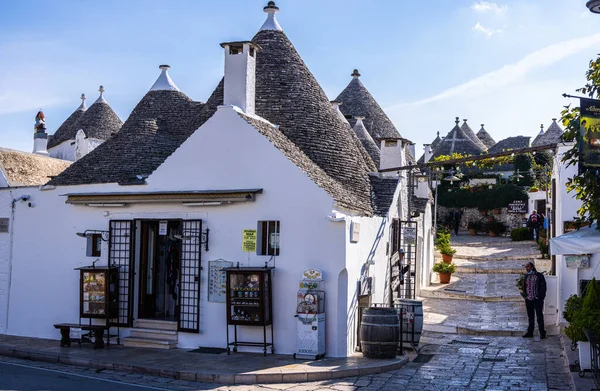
{"x": 444, "y": 270}
{"x": 474, "y": 227}
{"x": 534, "y": 189}
{"x": 497, "y": 211}
{"x": 583, "y": 313}
{"x": 496, "y": 228}
{"x": 447, "y": 252}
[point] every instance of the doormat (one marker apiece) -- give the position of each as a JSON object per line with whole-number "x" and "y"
{"x": 209, "y": 350}
{"x": 423, "y": 358}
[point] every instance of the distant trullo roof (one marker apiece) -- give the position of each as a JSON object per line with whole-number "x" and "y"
{"x": 366, "y": 140}
{"x": 471, "y": 134}
{"x": 99, "y": 122}
{"x": 552, "y": 135}
{"x": 540, "y": 134}
{"x": 358, "y": 101}
{"x": 510, "y": 143}
{"x": 457, "y": 141}
{"x": 485, "y": 138}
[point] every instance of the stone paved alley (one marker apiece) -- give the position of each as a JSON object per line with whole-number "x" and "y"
{"x": 472, "y": 338}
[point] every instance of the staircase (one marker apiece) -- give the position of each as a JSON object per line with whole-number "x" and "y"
{"x": 149, "y": 333}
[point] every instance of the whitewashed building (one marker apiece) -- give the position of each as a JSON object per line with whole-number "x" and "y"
{"x": 266, "y": 152}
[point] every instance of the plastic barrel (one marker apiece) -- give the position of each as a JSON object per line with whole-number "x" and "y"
{"x": 412, "y": 320}
{"x": 379, "y": 332}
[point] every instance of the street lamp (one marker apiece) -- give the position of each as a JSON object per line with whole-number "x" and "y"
{"x": 594, "y": 6}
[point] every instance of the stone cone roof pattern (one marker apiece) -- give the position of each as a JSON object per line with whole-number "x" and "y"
{"x": 457, "y": 141}
{"x": 471, "y": 134}
{"x": 485, "y": 138}
{"x": 367, "y": 141}
{"x": 66, "y": 131}
{"x": 99, "y": 121}
{"x": 358, "y": 101}
{"x": 552, "y": 135}
{"x": 516, "y": 142}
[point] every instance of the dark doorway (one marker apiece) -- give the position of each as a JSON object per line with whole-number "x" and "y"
{"x": 160, "y": 250}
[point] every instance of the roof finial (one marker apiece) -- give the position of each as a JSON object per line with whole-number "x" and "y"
{"x": 438, "y": 133}
{"x": 271, "y": 23}
{"x": 465, "y": 120}
{"x": 82, "y": 107}
{"x": 101, "y": 97}
{"x": 456, "y": 121}
{"x": 482, "y": 125}
{"x": 359, "y": 118}
{"x": 355, "y": 74}
{"x": 554, "y": 119}
{"x": 164, "y": 81}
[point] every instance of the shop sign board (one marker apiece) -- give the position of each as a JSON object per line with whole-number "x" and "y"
{"x": 572, "y": 225}
{"x": 249, "y": 240}
{"x": 410, "y": 235}
{"x": 577, "y": 261}
{"x": 518, "y": 206}
{"x": 588, "y": 140}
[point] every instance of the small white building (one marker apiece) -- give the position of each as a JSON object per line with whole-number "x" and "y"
{"x": 266, "y": 152}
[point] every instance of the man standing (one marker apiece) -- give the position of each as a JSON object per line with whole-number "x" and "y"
{"x": 456, "y": 215}
{"x": 533, "y": 223}
{"x": 534, "y": 292}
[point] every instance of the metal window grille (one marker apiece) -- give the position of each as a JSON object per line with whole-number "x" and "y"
{"x": 189, "y": 279}
{"x": 405, "y": 238}
{"x": 120, "y": 244}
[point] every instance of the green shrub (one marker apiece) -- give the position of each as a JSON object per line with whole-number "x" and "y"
{"x": 573, "y": 304}
{"x": 583, "y": 313}
{"x": 482, "y": 197}
{"x": 443, "y": 267}
{"x": 446, "y": 249}
{"x": 519, "y": 234}
{"x": 496, "y": 227}
{"x": 519, "y": 284}
{"x": 442, "y": 239}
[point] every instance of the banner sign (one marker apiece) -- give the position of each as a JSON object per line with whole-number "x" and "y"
{"x": 518, "y": 207}
{"x": 588, "y": 140}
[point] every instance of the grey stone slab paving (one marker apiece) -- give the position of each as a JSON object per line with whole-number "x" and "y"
{"x": 470, "y": 286}
{"x": 481, "y": 247}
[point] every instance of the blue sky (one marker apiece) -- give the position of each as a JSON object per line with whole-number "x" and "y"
{"x": 502, "y": 63}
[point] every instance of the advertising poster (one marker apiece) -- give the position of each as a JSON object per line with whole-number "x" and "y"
{"x": 588, "y": 140}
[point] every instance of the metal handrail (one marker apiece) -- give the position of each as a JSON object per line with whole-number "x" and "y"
{"x": 595, "y": 354}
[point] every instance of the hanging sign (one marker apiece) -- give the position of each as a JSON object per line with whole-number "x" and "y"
{"x": 410, "y": 235}
{"x": 217, "y": 280}
{"x": 162, "y": 227}
{"x": 518, "y": 206}
{"x": 249, "y": 240}
{"x": 588, "y": 140}
{"x": 577, "y": 261}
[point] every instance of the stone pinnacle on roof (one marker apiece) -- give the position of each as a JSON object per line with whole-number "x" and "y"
{"x": 471, "y": 134}
{"x": 82, "y": 107}
{"x": 101, "y": 97}
{"x": 457, "y": 141}
{"x": 359, "y": 101}
{"x": 365, "y": 138}
{"x": 552, "y": 135}
{"x": 271, "y": 23}
{"x": 485, "y": 137}
{"x": 164, "y": 82}
{"x": 336, "y": 107}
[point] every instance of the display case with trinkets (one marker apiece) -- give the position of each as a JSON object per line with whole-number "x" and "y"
{"x": 249, "y": 302}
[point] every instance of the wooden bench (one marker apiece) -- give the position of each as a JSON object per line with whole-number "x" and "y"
{"x": 96, "y": 331}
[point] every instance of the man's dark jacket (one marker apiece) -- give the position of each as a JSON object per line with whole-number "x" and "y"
{"x": 540, "y": 285}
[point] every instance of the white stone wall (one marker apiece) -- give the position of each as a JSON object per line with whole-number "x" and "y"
{"x": 68, "y": 150}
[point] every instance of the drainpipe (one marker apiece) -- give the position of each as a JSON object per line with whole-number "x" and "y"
{"x": 10, "y": 256}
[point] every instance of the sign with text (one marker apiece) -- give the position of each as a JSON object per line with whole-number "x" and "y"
{"x": 518, "y": 207}
{"x": 249, "y": 240}
{"x": 217, "y": 281}
{"x": 572, "y": 225}
{"x": 162, "y": 227}
{"x": 410, "y": 235}
{"x": 75, "y": 333}
{"x": 577, "y": 261}
{"x": 588, "y": 138}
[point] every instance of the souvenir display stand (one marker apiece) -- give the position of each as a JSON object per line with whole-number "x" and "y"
{"x": 310, "y": 312}
{"x": 249, "y": 303}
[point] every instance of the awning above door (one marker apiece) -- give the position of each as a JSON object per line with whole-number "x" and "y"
{"x": 584, "y": 241}
{"x": 187, "y": 197}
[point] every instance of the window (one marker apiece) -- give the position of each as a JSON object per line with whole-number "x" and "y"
{"x": 268, "y": 238}
{"x": 94, "y": 245}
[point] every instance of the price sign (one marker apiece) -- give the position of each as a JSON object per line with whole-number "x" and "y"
{"x": 75, "y": 333}
{"x": 249, "y": 240}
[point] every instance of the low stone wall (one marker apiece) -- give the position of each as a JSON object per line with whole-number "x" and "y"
{"x": 511, "y": 220}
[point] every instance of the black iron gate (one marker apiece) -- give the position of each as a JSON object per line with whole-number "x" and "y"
{"x": 189, "y": 279}
{"x": 120, "y": 244}
{"x": 404, "y": 258}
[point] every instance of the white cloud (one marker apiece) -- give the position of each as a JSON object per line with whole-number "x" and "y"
{"x": 485, "y": 30}
{"x": 486, "y": 6}
{"x": 511, "y": 73}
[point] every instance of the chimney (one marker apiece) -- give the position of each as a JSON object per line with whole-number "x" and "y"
{"x": 40, "y": 137}
{"x": 240, "y": 75}
{"x": 428, "y": 152}
{"x": 392, "y": 154}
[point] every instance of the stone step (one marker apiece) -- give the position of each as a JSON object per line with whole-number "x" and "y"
{"x": 167, "y": 335}
{"x": 459, "y": 294}
{"x": 492, "y": 331}
{"x": 479, "y": 270}
{"x": 135, "y": 342}
{"x": 155, "y": 324}
{"x": 524, "y": 258}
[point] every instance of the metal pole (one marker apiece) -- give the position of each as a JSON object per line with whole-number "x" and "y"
{"x": 435, "y": 204}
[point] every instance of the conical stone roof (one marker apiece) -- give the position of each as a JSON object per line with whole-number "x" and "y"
{"x": 534, "y": 143}
{"x": 288, "y": 95}
{"x": 358, "y": 101}
{"x": 457, "y": 141}
{"x": 367, "y": 142}
{"x": 67, "y": 131}
{"x": 485, "y": 138}
{"x": 510, "y": 143}
{"x": 471, "y": 134}
{"x": 552, "y": 135}
{"x": 99, "y": 121}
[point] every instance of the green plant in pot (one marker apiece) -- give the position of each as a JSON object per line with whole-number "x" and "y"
{"x": 474, "y": 227}
{"x": 495, "y": 228}
{"x": 444, "y": 270}
{"x": 583, "y": 313}
{"x": 447, "y": 252}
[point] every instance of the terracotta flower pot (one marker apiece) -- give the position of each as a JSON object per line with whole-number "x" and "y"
{"x": 493, "y": 234}
{"x": 445, "y": 277}
{"x": 473, "y": 232}
{"x": 447, "y": 258}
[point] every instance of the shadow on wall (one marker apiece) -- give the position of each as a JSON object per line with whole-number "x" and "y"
{"x": 342, "y": 329}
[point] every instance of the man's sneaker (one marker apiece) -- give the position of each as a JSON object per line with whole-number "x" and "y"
{"x": 527, "y": 335}
{"x": 542, "y": 335}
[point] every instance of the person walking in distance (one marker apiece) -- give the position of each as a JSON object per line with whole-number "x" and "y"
{"x": 533, "y": 222}
{"x": 534, "y": 292}
{"x": 456, "y": 215}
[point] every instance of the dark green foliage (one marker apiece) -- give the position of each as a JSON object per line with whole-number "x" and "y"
{"x": 524, "y": 163}
{"x": 543, "y": 158}
{"x": 573, "y": 304}
{"x": 476, "y": 225}
{"x": 520, "y": 234}
{"x": 583, "y": 313}
{"x": 482, "y": 198}
{"x": 443, "y": 267}
{"x": 591, "y": 299}
{"x": 495, "y": 226}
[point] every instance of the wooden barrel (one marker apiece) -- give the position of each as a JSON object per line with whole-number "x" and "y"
{"x": 412, "y": 320}
{"x": 379, "y": 332}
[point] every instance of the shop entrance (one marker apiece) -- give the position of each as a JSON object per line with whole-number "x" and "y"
{"x": 160, "y": 260}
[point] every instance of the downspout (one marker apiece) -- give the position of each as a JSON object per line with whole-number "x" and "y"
{"x": 10, "y": 257}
